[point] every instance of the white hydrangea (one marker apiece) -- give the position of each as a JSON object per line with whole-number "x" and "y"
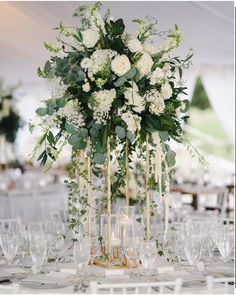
{"x": 90, "y": 38}
{"x": 144, "y": 64}
{"x": 167, "y": 70}
{"x": 49, "y": 122}
{"x": 86, "y": 87}
{"x": 71, "y": 112}
{"x": 100, "y": 103}
{"x": 135, "y": 45}
{"x": 96, "y": 21}
{"x": 56, "y": 87}
{"x": 166, "y": 90}
{"x": 157, "y": 105}
{"x": 86, "y": 63}
{"x": 120, "y": 65}
{"x": 134, "y": 99}
{"x": 156, "y": 76}
{"x": 132, "y": 121}
{"x": 149, "y": 48}
{"x": 100, "y": 58}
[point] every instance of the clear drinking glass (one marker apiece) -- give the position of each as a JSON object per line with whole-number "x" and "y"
{"x": 58, "y": 249}
{"x": 193, "y": 250}
{"x": 131, "y": 251}
{"x": 94, "y": 248}
{"x": 9, "y": 242}
{"x": 38, "y": 251}
{"x": 225, "y": 244}
{"x": 148, "y": 255}
{"x": 35, "y": 229}
{"x": 81, "y": 254}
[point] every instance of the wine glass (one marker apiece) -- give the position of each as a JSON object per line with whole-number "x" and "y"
{"x": 38, "y": 250}
{"x": 35, "y": 229}
{"x": 9, "y": 242}
{"x": 58, "y": 249}
{"x": 81, "y": 254}
{"x": 131, "y": 251}
{"x": 148, "y": 255}
{"x": 193, "y": 250}
{"x": 224, "y": 244}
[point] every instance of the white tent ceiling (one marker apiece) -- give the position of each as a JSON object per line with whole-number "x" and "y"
{"x": 208, "y": 28}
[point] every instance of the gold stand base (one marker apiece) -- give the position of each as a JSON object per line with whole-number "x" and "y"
{"x": 115, "y": 264}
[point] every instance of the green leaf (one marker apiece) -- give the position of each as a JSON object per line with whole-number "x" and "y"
{"x": 170, "y": 158}
{"x": 73, "y": 139}
{"x": 116, "y": 28}
{"x": 83, "y": 132}
{"x": 130, "y": 136}
{"x": 130, "y": 74}
{"x": 50, "y": 138}
{"x": 120, "y": 81}
{"x": 60, "y": 102}
{"x": 41, "y": 112}
{"x": 47, "y": 68}
{"x": 164, "y": 135}
{"x": 99, "y": 158}
{"x": 50, "y": 111}
{"x": 120, "y": 131}
{"x": 70, "y": 129}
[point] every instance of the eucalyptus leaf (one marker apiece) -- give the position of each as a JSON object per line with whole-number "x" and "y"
{"x": 170, "y": 158}
{"x": 70, "y": 129}
{"x": 41, "y": 112}
{"x": 99, "y": 158}
{"x": 164, "y": 135}
{"x": 120, "y": 81}
{"x": 130, "y": 136}
{"x": 131, "y": 73}
{"x": 120, "y": 131}
{"x": 61, "y": 102}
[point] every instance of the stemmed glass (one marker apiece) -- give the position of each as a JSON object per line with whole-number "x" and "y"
{"x": 193, "y": 250}
{"x": 58, "y": 249}
{"x": 224, "y": 244}
{"x": 35, "y": 229}
{"x": 131, "y": 251}
{"x": 9, "y": 241}
{"x": 38, "y": 251}
{"x": 148, "y": 255}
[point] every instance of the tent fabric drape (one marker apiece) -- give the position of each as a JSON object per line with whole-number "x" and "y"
{"x": 219, "y": 86}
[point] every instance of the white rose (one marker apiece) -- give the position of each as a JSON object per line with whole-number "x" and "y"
{"x": 166, "y": 91}
{"x": 166, "y": 70}
{"x": 135, "y": 45}
{"x": 90, "y": 38}
{"x": 157, "y": 108}
{"x": 132, "y": 121}
{"x": 144, "y": 65}
{"x": 149, "y": 48}
{"x": 120, "y": 65}
{"x": 86, "y": 63}
{"x": 134, "y": 99}
{"x": 156, "y": 76}
{"x": 86, "y": 87}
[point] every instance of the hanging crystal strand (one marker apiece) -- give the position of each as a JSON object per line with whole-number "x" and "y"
{"x": 126, "y": 171}
{"x": 166, "y": 201}
{"x": 108, "y": 198}
{"x": 89, "y": 189}
{"x": 147, "y": 195}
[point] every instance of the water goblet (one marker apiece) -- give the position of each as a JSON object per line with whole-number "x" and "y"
{"x": 38, "y": 251}
{"x": 131, "y": 251}
{"x": 148, "y": 255}
{"x": 81, "y": 254}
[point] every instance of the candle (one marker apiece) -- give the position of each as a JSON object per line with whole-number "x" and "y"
{"x": 126, "y": 221}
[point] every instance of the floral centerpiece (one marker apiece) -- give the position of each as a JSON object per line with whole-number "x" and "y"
{"x": 113, "y": 94}
{"x": 10, "y": 121}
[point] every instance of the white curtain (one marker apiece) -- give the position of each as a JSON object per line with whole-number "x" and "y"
{"x": 219, "y": 86}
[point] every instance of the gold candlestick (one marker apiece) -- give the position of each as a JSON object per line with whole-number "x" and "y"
{"x": 127, "y": 171}
{"x": 108, "y": 198}
{"x": 148, "y": 215}
{"x": 89, "y": 188}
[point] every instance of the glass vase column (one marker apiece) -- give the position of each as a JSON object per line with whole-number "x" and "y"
{"x": 147, "y": 194}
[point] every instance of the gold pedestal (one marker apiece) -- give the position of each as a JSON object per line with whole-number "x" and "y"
{"x": 115, "y": 264}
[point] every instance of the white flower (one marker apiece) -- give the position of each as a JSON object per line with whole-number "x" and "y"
{"x": 56, "y": 87}
{"x": 86, "y": 87}
{"x": 120, "y": 65}
{"x": 167, "y": 70}
{"x": 144, "y": 64}
{"x": 101, "y": 59}
{"x": 71, "y": 112}
{"x": 100, "y": 103}
{"x": 149, "y": 48}
{"x": 157, "y": 105}
{"x": 132, "y": 121}
{"x": 134, "y": 99}
{"x": 166, "y": 91}
{"x": 156, "y": 76}
{"x": 90, "y": 38}
{"x": 156, "y": 138}
{"x": 135, "y": 45}
{"x": 75, "y": 43}
{"x": 86, "y": 63}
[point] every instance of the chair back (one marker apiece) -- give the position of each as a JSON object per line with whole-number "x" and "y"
{"x": 214, "y": 284}
{"x": 137, "y": 288}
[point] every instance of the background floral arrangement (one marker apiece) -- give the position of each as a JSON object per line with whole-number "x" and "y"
{"x": 10, "y": 120}
{"x": 109, "y": 85}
